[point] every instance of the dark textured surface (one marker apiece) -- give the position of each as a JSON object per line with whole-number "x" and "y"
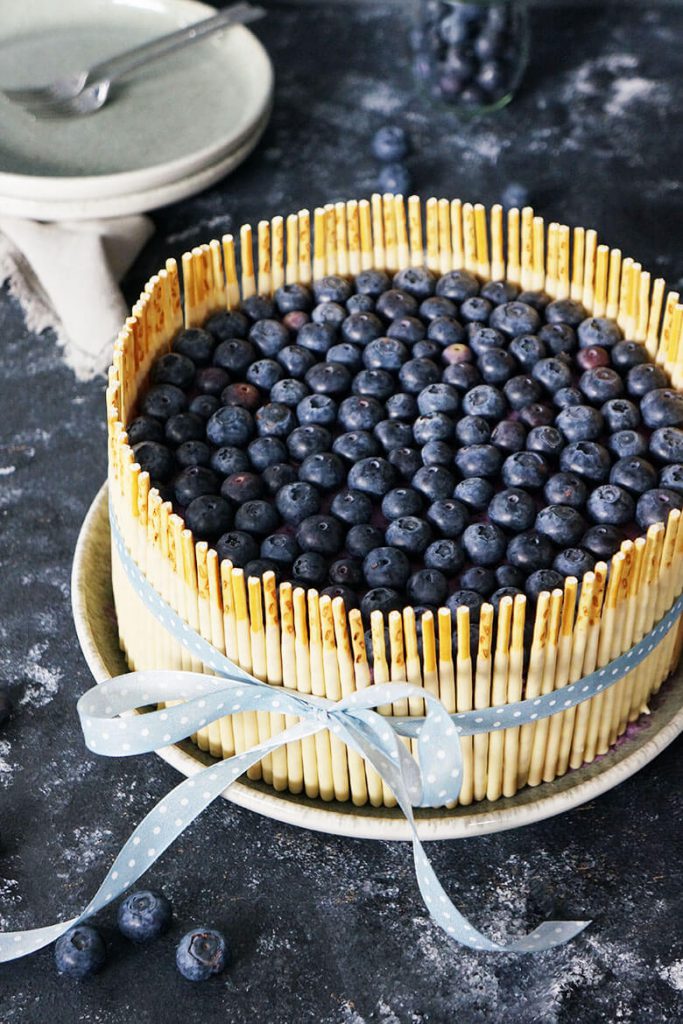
{"x": 329, "y": 930}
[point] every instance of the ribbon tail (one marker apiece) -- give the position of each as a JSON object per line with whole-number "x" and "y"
{"x": 155, "y": 833}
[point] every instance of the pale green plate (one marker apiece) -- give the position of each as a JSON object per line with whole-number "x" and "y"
{"x": 171, "y": 120}
{"x": 96, "y": 627}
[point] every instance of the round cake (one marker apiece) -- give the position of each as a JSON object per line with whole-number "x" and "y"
{"x": 450, "y": 455}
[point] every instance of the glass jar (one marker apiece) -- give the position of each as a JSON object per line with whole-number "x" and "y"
{"x": 471, "y": 56}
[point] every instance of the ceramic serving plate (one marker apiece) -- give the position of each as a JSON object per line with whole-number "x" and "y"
{"x": 135, "y": 201}
{"x": 167, "y": 122}
{"x": 95, "y": 620}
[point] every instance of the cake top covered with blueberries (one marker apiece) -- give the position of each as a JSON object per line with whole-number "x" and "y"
{"x": 415, "y": 440}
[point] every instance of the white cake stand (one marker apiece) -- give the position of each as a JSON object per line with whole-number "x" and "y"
{"x": 95, "y": 620}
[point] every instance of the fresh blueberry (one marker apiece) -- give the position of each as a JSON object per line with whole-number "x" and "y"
{"x": 542, "y": 580}
{"x": 458, "y": 285}
{"x": 347, "y": 355}
{"x": 296, "y": 360}
{"x": 201, "y": 953}
{"x": 527, "y": 349}
{"x": 193, "y": 453}
{"x": 310, "y": 569}
{"x": 511, "y": 591}
{"x": 434, "y": 482}
{"x": 297, "y": 501}
{"x": 362, "y": 539}
{"x": 184, "y": 426}
{"x": 601, "y": 385}
{"x": 552, "y": 374}
{"x": 277, "y": 476}
{"x": 269, "y": 337}
{"x": 194, "y": 482}
{"x": 626, "y": 354}
{"x": 633, "y": 473}
{"x": 587, "y": 459}
{"x": 195, "y": 344}
{"x": 372, "y": 282}
{"x": 436, "y": 306}
{"x": 332, "y": 288}
{"x": 448, "y": 516}
{"x": 592, "y": 358}
{"x": 155, "y": 459}
{"x": 478, "y": 578}
{"x": 611, "y": 504}
{"x": 482, "y": 339}
{"x": 80, "y": 952}
{"x": 411, "y": 331}
{"x": 515, "y": 318}
{"x": 264, "y": 373}
{"x": 356, "y": 445}
{"x": 394, "y": 434}
{"x": 580, "y": 423}
{"x": 522, "y": 390}
{"x": 567, "y": 397}
{"x": 427, "y": 587}
{"x": 331, "y": 314}
{"x": 513, "y": 509}
{"x": 347, "y": 572}
{"x": 280, "y": 548}
{"x": 275, "y": 420}
{"x": 235, "y": 356}
{"x": 472, "y": 430}
{"x": 511, "y": 436}
{"x": 417, "y": 374}
{"x": 308, "y": 440}
{"x": 395, "y": 303}
{"x": 374, "y": 476}
{"x": 641, "y": 380}
{"x": 561, "y": 524}
{"x": 479, "y": 460}
{"x": 662, "y": 407}
{"x": 485, "y": 400}
{"x": 530, "y": 551}
{"x": 240, "y": 487}
{"x": 484, "y": 543}
{"x": 145, "y": 428}
{"x": 386, "y": 567}
{"x": 654, "y": 506}
{"x": 347, "y": 595}
{"x": 402, "y": 406}
{"x": 228, "y": 324}
{"x": 401, "y": 501}
{"x": 671, "y": 478}
{"x": 598, "y": 330}
{"x": 445, "y": 555}
{"x": 246, "y": 395}
{"x": 208, "y": 516}
{"x": 437, "y": 453}
{"x": 566, "y": 489}
{"x": 558, "y": 338}
{"x": 394, "y": 178}
{"x": 620, "y": 414}
{"x": 385, "y": 354}
{"x": 469, "y": 599}
{"x": 257, "y": 516}
{"x": 509, "y": 576}
{"x": 627, "y": 442}
{"x": 266, "y": 451}
{"x": 228, "y": 460}
{"x": 602, "y": 540}
{"x": 475, "y": 493}
{"x": 144, "y": 915}
{"x": 496, "y": 366}
{"x": 321, "y": 533}
{"x": 317, "y": 410}
{"x": 361, "y": 328}
{"x": 406, "y": 461}
{"x": 574, "y": 562}
{"x": 525, "y": 469}
{"x": 546, "y": 441}
{"x": 446, "y": 331}
{"x": 462, "y": 376}
{"x": 163, "y": 401}
{"x": 205, "y": 406}
{"x": 324, "y": 469}
{"x": 231, "y": 425}
{"x": 410, "y": 534}
{"x": 329, "y": 379}
{"x": 377, "y": 384}
{"x": 259, "y": 307}
{"x": 565, "y": 311}
{"x": 352, "y": 507}
{"x": 433, "y": 426}
{"x": 382, "y": 599}
{"x": 173, "y": 368}
{"x": 292, "y": 297}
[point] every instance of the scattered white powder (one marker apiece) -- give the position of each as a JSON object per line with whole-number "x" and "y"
{"x": 381, "y": 98}
{"x": 6, "y": 767}
{"x": 7, "y": 470}
{"x": 41, "y": 681}
{"x": 625, "y": 91}
{"x": 673, "y": 975}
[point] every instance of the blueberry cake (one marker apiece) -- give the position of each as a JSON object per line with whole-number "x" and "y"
{"x": 362, "y": 467}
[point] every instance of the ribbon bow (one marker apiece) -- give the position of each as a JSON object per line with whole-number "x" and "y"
{"x": 435, "y": 780}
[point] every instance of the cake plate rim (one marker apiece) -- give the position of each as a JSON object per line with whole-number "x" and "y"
{"x": 95, "y": 627}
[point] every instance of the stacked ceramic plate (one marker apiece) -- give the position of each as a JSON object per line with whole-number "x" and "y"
{"x": 170, "y": 131}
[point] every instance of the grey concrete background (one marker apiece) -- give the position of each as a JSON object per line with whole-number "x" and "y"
{"x": 326, "y": 930}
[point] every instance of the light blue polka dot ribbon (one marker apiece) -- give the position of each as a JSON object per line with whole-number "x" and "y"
{"x": 435, "y": 780}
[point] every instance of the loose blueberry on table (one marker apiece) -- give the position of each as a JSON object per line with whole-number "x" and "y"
{"x": 144, "y": 915}
{"x": 527, "y": 441}
{"x": 80, "y": 952}
{"x": 201, "y": 953}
